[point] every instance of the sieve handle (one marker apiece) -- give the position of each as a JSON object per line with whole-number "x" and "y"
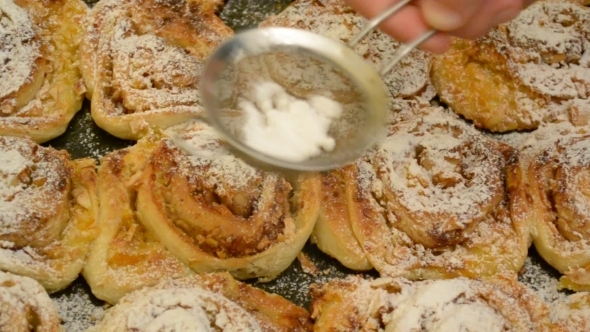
{"x": 404, "y": 49}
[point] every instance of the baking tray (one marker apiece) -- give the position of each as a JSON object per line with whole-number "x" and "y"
{"x": 79, "y": 309}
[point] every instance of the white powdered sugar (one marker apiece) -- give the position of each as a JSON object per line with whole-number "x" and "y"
{"x": 211, "y": 157}
{"x": 548, "y": 51}
{"x": 19, "y": 49}
{"x": 29, "y": 191}
{"x": 441, "y": 166}
{"x": 286, "y": 127}
{"x": 452, "y": 305}
{"x": 21, "y": 298}
{"x": 178, "y": 309}
{"x": 150, "y": 74}
{"x": 573, "y": 312}
{"x": 443, "y": 306}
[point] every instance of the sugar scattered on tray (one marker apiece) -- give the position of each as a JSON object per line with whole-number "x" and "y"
{"x": 77, "y": 310}
{"x": 538, "y": 278}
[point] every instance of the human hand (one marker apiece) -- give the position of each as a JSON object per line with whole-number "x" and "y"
{"x": 461, "y": 18}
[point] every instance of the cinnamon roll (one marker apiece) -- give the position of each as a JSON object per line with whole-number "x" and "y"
{"x": 208, "y": 302}
{"x": 498, "y": 304}
{"x": 524, "y": 73}
{"x": 334, "y": 19}
{"x": 210, "y": 212}
{"x": 48, "y": 209}
{"x": 40, "y": 81}
{"x": 552, "y": 195}
{"x": 125, "y": 256}
{"x": 25, "y": 306}
{"x": 142, "y": 60}
{"x": 572, "y": 314}
{"x": 217, "y": 213}
{"x": 430, "y": 202}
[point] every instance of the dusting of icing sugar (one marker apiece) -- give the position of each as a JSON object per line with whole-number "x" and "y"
{"x": 431, "y": 170}
{"x": 576, "y": 155}
{"x": 209, "y": 154}
{"x": 78, "y": 309}
{"x": 19, "y": 49}
{"x": 149, "y": 71}
{"x": 21, "y": 298}
{"x": 178, "y": 309}
{"x": 573, "y": 312}
{"x": 28, "y": 190}
{"x": 538, "y": 278}
{"x": 150, "y": 74}
{"x": 449, "y": 305}
{"x": 550, "y": 50}
{"x": 286, "y": 127}
{"x": 444, "y": 306}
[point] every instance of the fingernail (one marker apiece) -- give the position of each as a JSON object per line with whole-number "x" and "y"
{"x": 440, "y": 17}
{"x": 506, "y": 15}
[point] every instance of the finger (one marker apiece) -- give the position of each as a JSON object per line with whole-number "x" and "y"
{"x": 490, "y": 15}
{"x": 450, "y": 15}
{"x": 406, "y": 25}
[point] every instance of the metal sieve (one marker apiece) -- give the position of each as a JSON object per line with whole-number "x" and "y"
{"x": 303, "y": 63}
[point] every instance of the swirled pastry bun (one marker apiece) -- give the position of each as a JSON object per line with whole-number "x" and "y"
{"x": 40, "y": 81}
{"x": 208, "y": 302}
{"x": 25, "y": 306}
{"x": 48, "y": 207}
{"x": 431, "y": 201}
{"x": 492, "y": 305}
{"x": 142, "y": 60}
{"x": 552, "y": 195}
{"x": 526, "y": 72}
{"x": 165, "y": 213}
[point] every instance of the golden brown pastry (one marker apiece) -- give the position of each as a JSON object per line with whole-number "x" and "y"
{"x": 40, "y": 82}
{"x": 552, "y": 195}
{"x": 217, "y": 213}
{"x": 210, "y": 212}
{"x": 429, "y": 202}
{"x": 499, "y": 304}
{"x": 25, "y": 306}
{"x": 334, "y": 19}
{"x": 208, "y": 302}
{"x": 572, "y": 313}
{"x": 48, "y": 209}
{"x": 125, "y": 257}
{"x": 142, "y": 61}
{"x": 526, "y": 72}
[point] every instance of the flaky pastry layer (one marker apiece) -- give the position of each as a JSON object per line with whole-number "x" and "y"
{"x": 41, "y": 86}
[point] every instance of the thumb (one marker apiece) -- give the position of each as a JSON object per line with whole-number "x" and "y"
{"x": 449, "y": 15}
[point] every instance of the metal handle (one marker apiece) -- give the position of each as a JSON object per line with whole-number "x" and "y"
{"x": 404, "y": 48}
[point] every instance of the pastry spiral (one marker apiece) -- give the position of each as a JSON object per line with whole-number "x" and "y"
{"x": 210, "y": 212}
{"x": 553, "y": 196}
{"x": 499, "y": 304}
{"x": 125, "y": 257}
{"x": 25, "y": 306}
{"x": 217, "y": 213}
{"x": 40, "y": 82}
{"x": 48, "y": 207}
{"x": 430, "y": 202}
{"x": 142, "y": 60}
{"x": 208, "y": 302}
{"x": 572, "y": 314}
{"x": 523, "y": 73}
{"x": 334, "y": 19}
